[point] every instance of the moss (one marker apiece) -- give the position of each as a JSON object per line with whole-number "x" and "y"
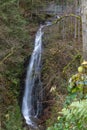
{"x": 12, "y": 118}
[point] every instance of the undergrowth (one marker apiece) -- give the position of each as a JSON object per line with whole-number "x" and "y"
{"x": 73, "y": 116}
{"x": 13, "y": 118}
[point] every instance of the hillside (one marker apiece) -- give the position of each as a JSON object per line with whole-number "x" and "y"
{"x": 61, "y": 56}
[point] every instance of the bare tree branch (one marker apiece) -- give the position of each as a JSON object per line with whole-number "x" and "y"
{"x": 65, "y": 16}
{"x": 8, "y": 55}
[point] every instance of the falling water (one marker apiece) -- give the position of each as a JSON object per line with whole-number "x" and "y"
{"x": 32, "y": 106}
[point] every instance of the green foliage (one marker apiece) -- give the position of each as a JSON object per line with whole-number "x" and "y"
{"x": 73, "y": 117}
{"x": 13, "y": 119}
{"x": 11, "y": 16}
{"x": 74, "y": 114}
{"x": 78, "y": 83}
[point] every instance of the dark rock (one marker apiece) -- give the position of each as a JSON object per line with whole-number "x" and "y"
{"x": 22, "y": 80}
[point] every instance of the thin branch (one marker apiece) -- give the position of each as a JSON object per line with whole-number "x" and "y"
{"x": 65, "y": 16}
{"x": 7, "y": 56}
{"x": 70, "y": 63}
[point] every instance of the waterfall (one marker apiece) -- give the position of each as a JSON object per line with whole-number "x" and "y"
{"x": 31, "y": 105}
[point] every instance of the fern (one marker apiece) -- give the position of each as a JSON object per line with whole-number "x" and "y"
{"x": 74, "y": 117}
{"x": 77, "y": 109}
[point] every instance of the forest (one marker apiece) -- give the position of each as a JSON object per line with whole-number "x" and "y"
{"x": 43, "y": 65}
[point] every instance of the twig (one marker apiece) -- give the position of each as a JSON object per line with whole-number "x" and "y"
{"x": 70, "y": 15}
{"x": 48, "y": 101}
{"x": 72, "y": 61}
{"x": 7, "y": 56}
{"x": 47, "y": 86}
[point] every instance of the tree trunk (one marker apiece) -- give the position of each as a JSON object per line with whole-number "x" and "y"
{"x": 84, "y": 27}
{"x": 78, "y": 31}
{"x": 75, "y": 34}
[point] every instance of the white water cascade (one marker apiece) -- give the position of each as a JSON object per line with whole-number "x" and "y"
{"x": 31, "y": 105}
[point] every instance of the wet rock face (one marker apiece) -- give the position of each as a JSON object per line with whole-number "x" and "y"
{"x": 36, "y": 97}
{"x": 39, "y": 128}
{"x": 22, "y": 80}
